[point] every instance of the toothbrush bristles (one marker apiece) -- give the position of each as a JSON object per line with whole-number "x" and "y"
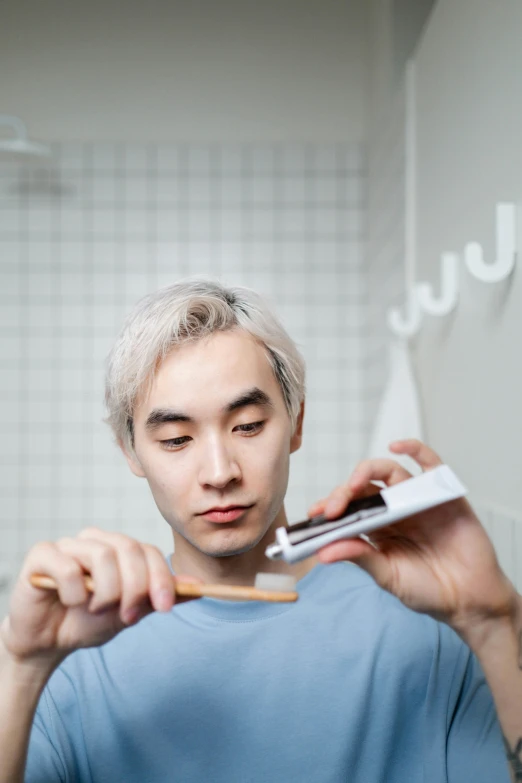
{"x": 277, "y": 582}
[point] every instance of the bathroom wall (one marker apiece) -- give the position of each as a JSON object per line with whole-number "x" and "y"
{"x": 470, "y": 158}
{"x": 84, "y": 240}
{"x": 167, "y": 70}
{"x": 469, "y": 114}
{"x": 220, "y": 138}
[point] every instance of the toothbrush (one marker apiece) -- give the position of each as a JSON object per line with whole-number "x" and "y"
{"x": 276, "y": 588}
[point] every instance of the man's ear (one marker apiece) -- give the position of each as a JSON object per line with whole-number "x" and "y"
{"x": 132, "y": 460}
{"x": 297, "y": 437}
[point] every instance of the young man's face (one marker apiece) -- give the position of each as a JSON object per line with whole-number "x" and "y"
{"x": 214, "y": 433}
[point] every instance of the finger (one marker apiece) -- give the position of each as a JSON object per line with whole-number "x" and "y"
{"x": 363, "y": 554}
{"x": 99, "y": 560}
{"x": 385, "y": 470}
{"x": 426, "y": 457}
{"x": 133, "y": 571}
{"x": 45, "y": 558}
{"x": 316, "y": 508}
{"x": 338, "y": 500}
{"x": 161, "y": 582}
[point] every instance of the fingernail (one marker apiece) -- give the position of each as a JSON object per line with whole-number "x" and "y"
{"x": 163, "y": 600}
{"x": 130, "y": 616}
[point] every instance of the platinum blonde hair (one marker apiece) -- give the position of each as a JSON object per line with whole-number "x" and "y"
{"x": 188, "y": 311}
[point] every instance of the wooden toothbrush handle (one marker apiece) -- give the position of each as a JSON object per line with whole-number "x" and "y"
{"x": 194, "y": 590}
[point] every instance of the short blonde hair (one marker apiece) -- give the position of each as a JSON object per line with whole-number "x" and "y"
{"x": 185, "y": 311}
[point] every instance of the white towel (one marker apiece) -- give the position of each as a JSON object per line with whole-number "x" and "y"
{"x": 399, "y": 414}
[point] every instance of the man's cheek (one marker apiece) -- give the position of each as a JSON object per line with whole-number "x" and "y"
{"x": 272, "y": 456}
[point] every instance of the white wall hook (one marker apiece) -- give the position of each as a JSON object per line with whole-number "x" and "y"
{"x": 506, "y": 249}
{"x": 449, "y": 294}
{"x": 409, "y": 324}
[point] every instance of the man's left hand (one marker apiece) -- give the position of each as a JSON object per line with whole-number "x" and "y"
{"x": 440, "y": 562}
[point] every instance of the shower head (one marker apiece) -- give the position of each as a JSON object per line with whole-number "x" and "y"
{"x": 18, "y": 146}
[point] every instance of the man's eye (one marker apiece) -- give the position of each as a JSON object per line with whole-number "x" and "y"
{"x": 174, "y": 443}
{"x": 250, "y": 429}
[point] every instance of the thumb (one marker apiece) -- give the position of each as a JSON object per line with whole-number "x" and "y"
{"x": 363, "y": 554}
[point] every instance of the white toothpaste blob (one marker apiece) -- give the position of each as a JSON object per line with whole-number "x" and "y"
{"x": 278, "y": 582}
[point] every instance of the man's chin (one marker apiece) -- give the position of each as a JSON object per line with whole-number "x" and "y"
{"x": 231, "y": 546}
{"x": 228, "y": 550}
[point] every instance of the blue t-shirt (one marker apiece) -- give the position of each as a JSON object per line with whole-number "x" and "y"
{"x": 346, "y": 685}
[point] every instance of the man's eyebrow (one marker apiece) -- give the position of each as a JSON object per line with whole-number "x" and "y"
{"x": 253, "y": 396}
{"x": 160, "y": 416}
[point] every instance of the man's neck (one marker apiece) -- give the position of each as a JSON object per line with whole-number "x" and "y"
{"x": 236, "y": 569}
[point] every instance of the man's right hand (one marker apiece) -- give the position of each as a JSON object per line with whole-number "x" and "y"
{"x": 131, "y": 579}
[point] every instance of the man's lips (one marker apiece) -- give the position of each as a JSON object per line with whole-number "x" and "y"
{"x": 224, "y": 513}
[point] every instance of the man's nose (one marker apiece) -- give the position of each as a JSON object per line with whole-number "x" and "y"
{"x": 219, "y": 465}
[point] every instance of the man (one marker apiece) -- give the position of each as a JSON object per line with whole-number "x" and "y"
{"x": 205, "y": 395}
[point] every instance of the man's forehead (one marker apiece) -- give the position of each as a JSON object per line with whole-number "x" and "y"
{"x": 219, "y": 358}
{"x": 212, "y": 374}
{"x": 223, "y": 344}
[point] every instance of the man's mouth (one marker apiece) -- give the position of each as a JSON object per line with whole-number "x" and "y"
{"x": 224, "y": 513}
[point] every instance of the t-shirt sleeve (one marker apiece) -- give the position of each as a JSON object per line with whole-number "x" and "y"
{"x": 44, "y": 763}
{"x": 475, "y": 749}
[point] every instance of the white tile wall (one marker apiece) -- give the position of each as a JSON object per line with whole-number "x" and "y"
{"x": 81, "y": 243}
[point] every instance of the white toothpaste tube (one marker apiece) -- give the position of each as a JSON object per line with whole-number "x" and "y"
{"x": 364, "y": 515}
